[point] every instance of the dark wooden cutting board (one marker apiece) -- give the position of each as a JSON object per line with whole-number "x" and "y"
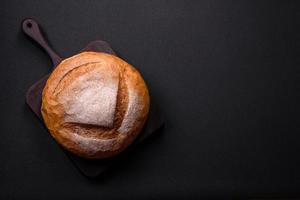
{"x": 89, "y": 168}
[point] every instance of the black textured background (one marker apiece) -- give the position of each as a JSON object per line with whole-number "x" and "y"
{"x": 226, "y": 74}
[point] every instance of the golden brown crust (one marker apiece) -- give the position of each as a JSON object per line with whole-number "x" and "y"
{"x": 95, "y": 104}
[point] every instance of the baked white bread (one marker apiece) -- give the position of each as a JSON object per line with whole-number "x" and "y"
{"x": 95, "y": 104}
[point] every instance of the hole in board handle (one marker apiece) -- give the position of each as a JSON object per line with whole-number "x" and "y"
{"x": 29, "y": 25}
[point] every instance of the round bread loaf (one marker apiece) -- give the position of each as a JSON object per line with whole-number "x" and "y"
{"x": 95, "y": 104}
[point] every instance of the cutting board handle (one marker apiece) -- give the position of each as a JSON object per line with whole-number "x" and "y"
{"x": 32, "y": 29}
